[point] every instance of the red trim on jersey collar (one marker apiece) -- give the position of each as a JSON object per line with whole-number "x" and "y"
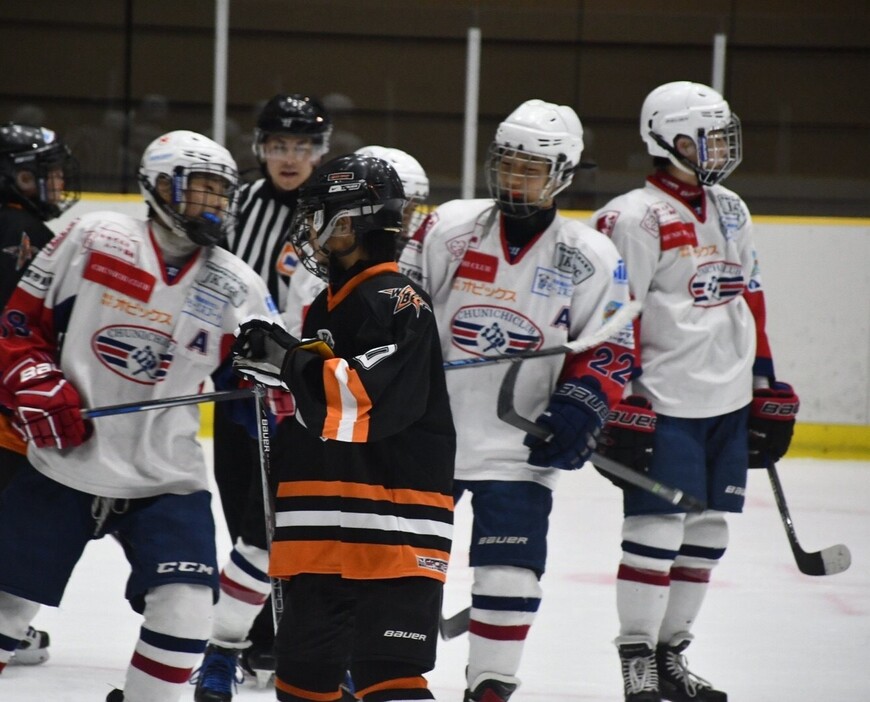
{"x": 689, "y": 195}
{"x": 162, "y": 264}
{"x": 332, "y": 301}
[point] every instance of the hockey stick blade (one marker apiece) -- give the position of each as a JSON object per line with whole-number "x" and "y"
{"x": 454, "y": 626}
{"x": 506, "y": 412}
{"x": 828, "y": 561}
{"x": 623, "y": 316}
{"x": 163, "y": 403}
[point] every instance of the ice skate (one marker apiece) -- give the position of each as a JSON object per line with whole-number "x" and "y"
{"x": 497, "y": 688}
{"x": 678, "y": 683}
{"x": 259, "y": 663}
{"x": 33, "y": 648}
{"x": 640, "y": 676}
{"x": 218, "y": 676}
{"x": 115, "y": 696}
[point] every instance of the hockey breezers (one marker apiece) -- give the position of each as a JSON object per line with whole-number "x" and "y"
{"x": 828, "y": 561}
{"x": 507, "y": 413}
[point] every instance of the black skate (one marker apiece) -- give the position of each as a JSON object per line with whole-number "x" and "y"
{"x": 491, "y": 690}
{"x": 678, "y": 683}
{"x": 115, "y": 696}
{"x": 216, "y": 679}
{"x": 640, "y": 677}
{"x": 33, "y": 648}
{"x": 259, "y": 663}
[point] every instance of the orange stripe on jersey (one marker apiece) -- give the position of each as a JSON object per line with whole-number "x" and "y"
{"x": 286, "y": 557}
{"x": 347, "y": 403}
{"x": 358, "y": 561}
{"x": 9, "y": 438}
{"x": 332, "y": 301}
{"x": 307, "y": 694}
{"x": 329, "y": 488}
{"x": 417, "y": 682}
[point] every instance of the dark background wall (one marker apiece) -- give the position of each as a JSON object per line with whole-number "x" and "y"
{"x": 110, "y": 75}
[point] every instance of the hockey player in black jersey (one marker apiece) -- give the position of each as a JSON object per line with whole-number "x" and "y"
{"x": 39, "y": 180}
{"x": 291, "y": 136}
{"x": 364, "y": 509}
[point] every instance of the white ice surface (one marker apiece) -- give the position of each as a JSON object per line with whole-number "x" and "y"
{"x": 767, "y": 633}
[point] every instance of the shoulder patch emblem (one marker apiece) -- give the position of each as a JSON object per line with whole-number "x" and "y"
{"x": 406, "y": 297}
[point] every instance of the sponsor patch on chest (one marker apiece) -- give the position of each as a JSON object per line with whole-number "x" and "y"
{"x": 478, "y": 266}
{"x": 119, "y": 276}
{"x": 488, "y": 330}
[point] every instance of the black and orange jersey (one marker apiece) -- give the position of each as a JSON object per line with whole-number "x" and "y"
{"x": 22, "y": 235}
{"x": 368, "y": 491}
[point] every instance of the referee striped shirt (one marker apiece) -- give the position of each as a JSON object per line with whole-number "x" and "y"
{"x": 262, "y": 228}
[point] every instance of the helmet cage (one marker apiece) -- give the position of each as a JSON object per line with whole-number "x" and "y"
{"x": 528, "y": 198}
{"x": 719, "y": 150}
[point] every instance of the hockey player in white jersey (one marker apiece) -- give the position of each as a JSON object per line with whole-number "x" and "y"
{"x": 306, "y": 286}
{"x": 508, "y": 274}
{"x": 122, "y": 310}
{"x": 706, "y": 381}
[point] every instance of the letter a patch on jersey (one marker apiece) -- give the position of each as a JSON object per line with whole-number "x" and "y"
{"x": 200, "y": 342}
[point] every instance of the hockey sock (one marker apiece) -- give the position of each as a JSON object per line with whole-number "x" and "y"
{"x": 245, "y": 587}
{"x": 178, "y": 621}
{"x": 650, "y": 544}
{"x": 504, "y": 602}
{"x": 705, "y": 540}
{"x": 15, "y": 614}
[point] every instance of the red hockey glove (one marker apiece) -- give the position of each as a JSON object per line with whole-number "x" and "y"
{"x": 627, "y": 437}
{"x": 771, "y": 423}
{"x": 574, "y": 417}
{"x": 48, "y": 407}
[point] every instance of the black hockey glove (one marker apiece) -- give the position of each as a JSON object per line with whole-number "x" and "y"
{"x": 771, "y": 423}
{"x": 574, "y": 417}
{"x": 627, "y": 437}
{"x": 262, "y": 349}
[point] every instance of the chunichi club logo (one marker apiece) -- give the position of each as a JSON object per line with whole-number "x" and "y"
{"x": 488, "y": 330}
{"x": 136, "y": 353}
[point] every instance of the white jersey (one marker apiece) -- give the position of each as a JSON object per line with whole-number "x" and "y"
{"x": 693, "y": 275}
{"x": 304, "y": 287}
{"x": 99, "y": 292}
{"x": 563, "y": 285}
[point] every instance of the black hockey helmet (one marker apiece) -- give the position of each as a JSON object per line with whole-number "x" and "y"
{"x": 296, "y": 115}
{"x": 39, "y": 152}
{"x": 367, "y": 190}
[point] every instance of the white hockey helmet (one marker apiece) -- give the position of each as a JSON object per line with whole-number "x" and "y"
{"x": 171, "y": 160}
{"x": 536, "y": 131}
{"x": 414, "y": 181}
{"x": 696, "y": 111}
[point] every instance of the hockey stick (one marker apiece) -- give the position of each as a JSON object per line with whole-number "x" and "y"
{"x": 828, "y": 561}
{"x": 264, "y": 442}
{"x": 162, "y": 403}
{"x": 507, "y": 413}
{"x": 624, "y": 315}
{"x": 451, "y": 627}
